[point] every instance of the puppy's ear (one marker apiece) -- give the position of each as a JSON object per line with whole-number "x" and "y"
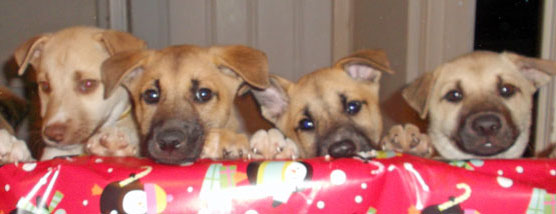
{"x": 116, "y": 41}
{"x": 418, "y": 93}
{"x": 122, "y": 68}
{"x": 365, "y": 65}
{"x": 12, "y": 107}
{"x": 30, "y": 52}
{"x": 538, "y": 71}
{"x": 273, "y": 100}
{"x": 250, "y": 64}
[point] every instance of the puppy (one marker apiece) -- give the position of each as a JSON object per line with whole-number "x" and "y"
{"x": 332, "y": 111}
{"x": 183, "y": 96}
{"x": 12, "y": 110}
{"x": 479, "y": 105}
{"x": 73, "y": 109}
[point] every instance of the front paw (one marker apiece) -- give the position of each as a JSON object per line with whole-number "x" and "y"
{"x": 222, "y": 144}
{"x": 111, "y": 142}
{"x": 408, "y": 139}
{"x": 272, "y": 144}
{"x": 12, "y": 149}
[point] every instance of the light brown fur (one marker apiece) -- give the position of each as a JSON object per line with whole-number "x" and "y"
{"x": 322, "y": 96}
{"x": 177, "y": 74}
{"x": 480, "y": 76}
{"x": 73, "y": 108}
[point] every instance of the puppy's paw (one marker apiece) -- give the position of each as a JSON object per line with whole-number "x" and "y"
{"x": 408, "y": 139}
{"x": 222, "y": 144}
{"x": 111, "y": 142}
{"x": 12, "y": 149}
{"x": 272, "y": 144}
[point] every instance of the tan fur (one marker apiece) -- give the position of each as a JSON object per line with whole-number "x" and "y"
{"x": 64, "y": 62}
{"x": 177, "y": 73}
{"x": 319, "y": 94}
{"x": 479, "y": 75}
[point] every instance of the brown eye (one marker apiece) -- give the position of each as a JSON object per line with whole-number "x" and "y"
{"x": 203, "y": 95}
{"x": 454, "y": 96}
{"x": 507, "y": 90}
{"x": 87, "y": 86}
{"x": 45, "y": 87}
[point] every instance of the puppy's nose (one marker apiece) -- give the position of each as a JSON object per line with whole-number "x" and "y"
{"x": 486, "y": 125}
{"x": 55, "y": 132}
{"x": 344, "y": 148}
{"x": 169, "y": 140}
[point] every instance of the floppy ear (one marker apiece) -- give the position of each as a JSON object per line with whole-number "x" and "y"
{"x": 122, "y": 68}
{"x": 538, "y": 71}
{"x": 365, "y": 65}
{"x": 116, "y": 41}
{"x": 12, "y": 107}
{"x": 250, "y": 64}
{"x": 29, "y": 52}
{"x": 274, "y": 99}
{"x": 418, "y": 93}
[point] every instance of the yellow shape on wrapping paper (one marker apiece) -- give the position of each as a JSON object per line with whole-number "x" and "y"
{"x": 413, "y": 210}
{"x": 96, "y": 190}
{"x": 239, "y": 177}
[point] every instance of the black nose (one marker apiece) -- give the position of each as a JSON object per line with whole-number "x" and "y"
{"x": 486, "y": 125}
{"x": 169, "y": 140}
{"x": 344, "y": 148}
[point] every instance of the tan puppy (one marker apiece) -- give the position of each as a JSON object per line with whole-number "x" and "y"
{"x": 12, "y": 111}
{"x": 479, "y": 104}
{"x": 332, "y": 111}
{"x": 73, "y": 108}
{"x": 181, "y": 94}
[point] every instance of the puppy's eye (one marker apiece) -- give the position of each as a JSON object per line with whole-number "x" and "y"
{"x": 151, "y": 96}
{"x": 454, "y": 96}
{"x": 306, "y": 124}
{"x": 353, "y": 107}
{"x": 87, "y": 86}
{"x": 507, "y": 90}
{"x": 45, "y": 87}
{"x": 203, "y": 95}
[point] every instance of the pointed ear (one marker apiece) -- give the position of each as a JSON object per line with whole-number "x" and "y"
{"x": 274, "y": 99}
{"x": 250, "y": 64}
{"x": 122, "y": 68}
{"x": 418, "y": 93}
{"x": 538, "y": 71}
{"x": 29, "y": 52}
{"x": 116, "y": 41}
{"x": 365, "y": 65}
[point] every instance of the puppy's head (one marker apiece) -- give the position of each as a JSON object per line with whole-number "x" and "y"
{"x": 479, "y": 105}
{"x": 330, "y": 111}
{"x": 12, "y": 109}
{"x": 181, "y": 91}
{"x": 67, "y": 63}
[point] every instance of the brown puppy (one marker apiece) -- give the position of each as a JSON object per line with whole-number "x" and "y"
{"x": 479, "y": 104}
{"x": 332, "y": 111}
{"x": 183, "y": 93}
{"x": 12, "y": 111}
{"x": 73, "y": 108}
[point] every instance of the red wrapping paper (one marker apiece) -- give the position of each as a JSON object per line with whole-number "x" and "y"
{"x": 388, "y": 183}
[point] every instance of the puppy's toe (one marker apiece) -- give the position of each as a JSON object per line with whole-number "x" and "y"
{"x": 419, "y": 143}
{"x": 12, "y": 149}
{"x": 111, "y": 142}
{"x": 395, "y": 139}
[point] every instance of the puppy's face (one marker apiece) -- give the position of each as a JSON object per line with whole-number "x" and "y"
{"x": 180, "y": 92}
{"x": 479, "y": 105}
{"x": 330, "y": 111}
{"x": 68, "y": 77}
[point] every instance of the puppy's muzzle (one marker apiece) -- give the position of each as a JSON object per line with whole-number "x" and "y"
{"x": 55, "y": 133}
{"x": 176, "y": 141}
{"x": 486, "y": 133}
{"x": 343, "y": 141}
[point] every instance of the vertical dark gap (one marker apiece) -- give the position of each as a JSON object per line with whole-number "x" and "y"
{"x": 510, "y": 25}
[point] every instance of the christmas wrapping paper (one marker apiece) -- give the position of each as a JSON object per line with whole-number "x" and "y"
{"x": 386, "y": 183}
